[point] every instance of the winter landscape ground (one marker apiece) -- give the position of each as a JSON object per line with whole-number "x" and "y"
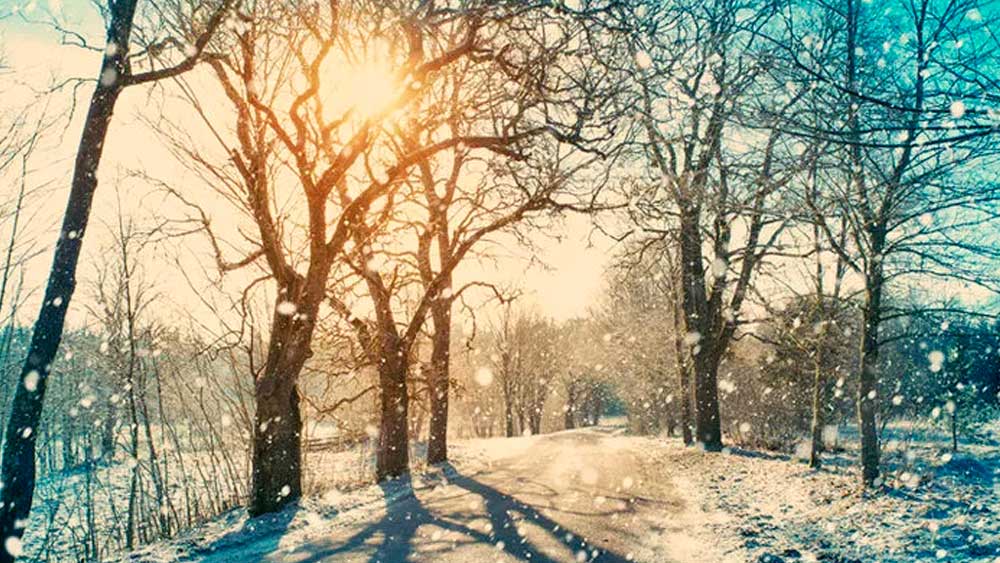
{"x": 599, "y": 494}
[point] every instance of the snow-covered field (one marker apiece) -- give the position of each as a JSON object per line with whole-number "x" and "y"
{"x": 673, "y": 503}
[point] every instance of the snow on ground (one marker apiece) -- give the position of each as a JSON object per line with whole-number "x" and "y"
{"x": 677, "y": 503}
{"x": 935, "y": 506}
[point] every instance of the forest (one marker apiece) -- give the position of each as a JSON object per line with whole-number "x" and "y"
{"x": 512, "y": 280}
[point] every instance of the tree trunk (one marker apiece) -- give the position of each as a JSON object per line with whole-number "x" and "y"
{"x": 705, "y": 353}
{"x": 685, "y": 399}
{"x": 508, "y": 416}
{"x": 954, "y": 430}
{"x": 69, "y": 431}
{"x": 18, "y": 466}
{"x": 684, "y": 386}
{"x": 708, "y": 427}
{"x": 393, "y": 457}
{"x": 598, "y": 406}
{"x": 569, "y": 417}
{"x": 535, "y": 421}
{"x": 108, "y": 431}
{"x": 868, "y": 388}
{"x": 277, "y": 442}
{"x": 437, "y": 444}
{"x": 817, "y": 411}
{"x": 277, "y": 445}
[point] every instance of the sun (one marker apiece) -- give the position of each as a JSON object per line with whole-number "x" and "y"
{"x": 373, "y": 91}
{"x": 365, "y": 91}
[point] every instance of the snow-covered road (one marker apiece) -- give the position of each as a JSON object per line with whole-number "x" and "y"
{"x": 583, "y": 495}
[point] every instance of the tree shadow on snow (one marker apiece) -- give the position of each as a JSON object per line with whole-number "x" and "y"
{"x": 259, "y": 536}
{"x": 392, "y": 538}
{"x": 758, "y": 454}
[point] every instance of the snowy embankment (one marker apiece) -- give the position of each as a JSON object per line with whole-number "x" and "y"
{"x": 675, "y": 503}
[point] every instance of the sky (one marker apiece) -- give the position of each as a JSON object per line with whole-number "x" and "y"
{"x": 574, "y": 256}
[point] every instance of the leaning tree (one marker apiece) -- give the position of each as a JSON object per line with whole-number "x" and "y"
{"x": 121, "y": 67}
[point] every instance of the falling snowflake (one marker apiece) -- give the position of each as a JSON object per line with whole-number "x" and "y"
{"x": 108, "y": 77}
{"x": 692, "y": 338}
{"x": 31, "y": 381}
{"x": 936, "y": 359}
{"x": 643, "y": 60}
{"x": 957, "y": 109}
{"x": 719, "y": 267}
{"x": 286, "y": 308}
{"x": 13, "y": 546}
{"x": 484, "y": 376}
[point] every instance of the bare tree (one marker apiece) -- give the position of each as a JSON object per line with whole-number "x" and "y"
{"x": 911, "y": 200}
{"x": 644, "y": 292}
{"x": 116, "y": 74}
{"x": 349, "y": 168}
{"x": 715, "y": 167}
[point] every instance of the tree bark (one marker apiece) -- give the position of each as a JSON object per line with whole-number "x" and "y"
{"x": 277, "y": 447}
{"x": 69, "y": 431}
{"x": 277, "y": 442}
{"x": 596, "y": 407}
{"x": 708, "y": 426}
{"x": 18, "y": 466}
{"x": 437, "y": 444}
{"x": 817, "y": 411}
{"x": 868, "y": 388}
{"x": 508, "y": 406}
{"x": 108, "y": 430}
{"x": 393, "y": 457}
{"x": 569, "y": 417}
{"x": 705, "y": 357}
{"x": 683, "y": 384}
{"x": 535, "y": 420}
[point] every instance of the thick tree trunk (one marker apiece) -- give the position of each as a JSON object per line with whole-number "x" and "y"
{"x": 437, "y": 444}
{"x": 393, "y": 457}
{"x": 708, "y": 426}
{"x": 277, "y": 442}
{"x": 277, "y": 445}
{"x": 18, "y": 467}
{"x": 704, "y": 353}
{"x": 868, "y": 388}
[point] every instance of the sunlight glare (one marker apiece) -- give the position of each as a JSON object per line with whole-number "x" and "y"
{"x": 369, "y": 90}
